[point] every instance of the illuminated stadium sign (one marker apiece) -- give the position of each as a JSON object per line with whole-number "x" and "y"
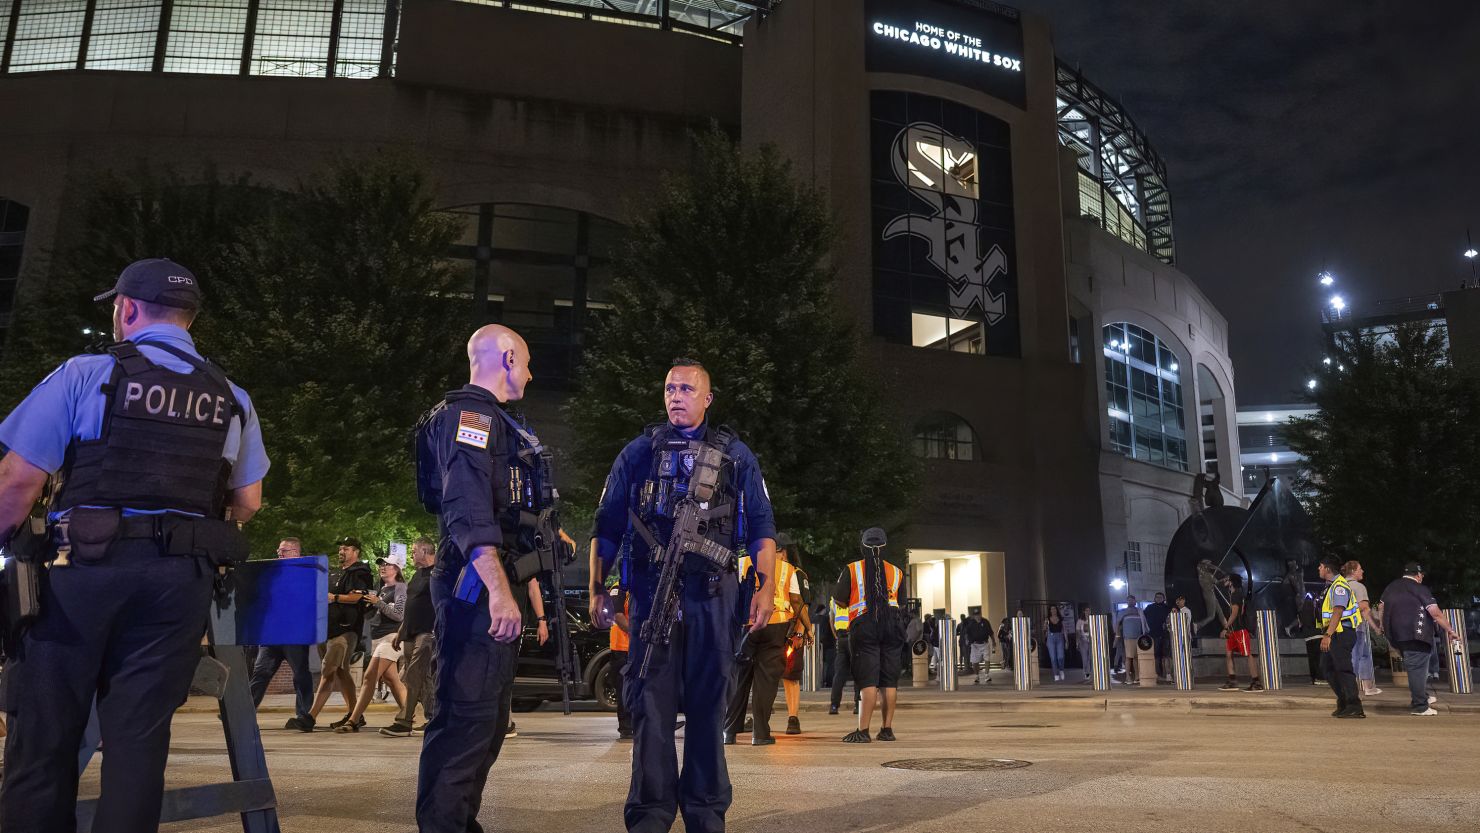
{"x": 976, "y": 48}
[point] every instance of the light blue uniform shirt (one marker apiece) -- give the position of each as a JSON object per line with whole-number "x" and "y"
{"x": 70, "y": 404}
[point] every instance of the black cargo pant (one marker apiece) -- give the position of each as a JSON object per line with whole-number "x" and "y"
{"x": 692, "y": 674}
{"x": 761, "y": 676}
{"x": 843, "y": 669}
{"x": 1336, "y": 664}
{"x": 475, "y": 678}
{"x": 126, "y": 630}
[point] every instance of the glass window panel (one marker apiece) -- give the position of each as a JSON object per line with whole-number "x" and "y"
{"x": 928, "y": 330}
{"x": 1151, "y": 403}
{"x": 48, "y": 35}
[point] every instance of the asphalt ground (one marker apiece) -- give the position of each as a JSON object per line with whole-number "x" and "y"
{"x": 1132, "y": 760}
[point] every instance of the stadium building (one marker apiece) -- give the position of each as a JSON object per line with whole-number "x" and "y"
{"x": 1008, "y": 237}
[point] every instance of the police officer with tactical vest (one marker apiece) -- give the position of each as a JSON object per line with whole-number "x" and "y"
{"x": 487, "y": 478}
{"x": 870, "y": 587}
{"x": 1338, "y": 617}
{"x": 156, "y": 459}
{"x": 760, "y": 673}
{"x": 681, "y": 498}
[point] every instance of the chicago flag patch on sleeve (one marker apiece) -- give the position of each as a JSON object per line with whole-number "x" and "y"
{"x": 473, "y": 428}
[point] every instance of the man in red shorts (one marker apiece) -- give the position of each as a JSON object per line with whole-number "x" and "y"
{"x": 1236, "y": 633}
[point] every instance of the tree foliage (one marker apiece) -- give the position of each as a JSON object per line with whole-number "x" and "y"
{"x": 328, "y": 303}
{"x": 1394, "y": 457}
{"x": 728, "y": 265}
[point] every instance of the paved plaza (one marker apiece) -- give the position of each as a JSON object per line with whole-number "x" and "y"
{"x": 1128, "y": 760}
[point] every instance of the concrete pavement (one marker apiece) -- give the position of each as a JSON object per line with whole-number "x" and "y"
{"x": 1130, "y": 763}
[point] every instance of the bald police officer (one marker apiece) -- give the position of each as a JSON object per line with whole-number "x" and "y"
{"x": 152, "y": 450}
{"x": 636, "y": 515}
{"x": 487, "y": 478}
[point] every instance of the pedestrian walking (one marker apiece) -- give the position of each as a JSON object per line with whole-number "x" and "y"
{"x": 389, "y": 607}
{"x": 271, "y": 657}
{"x": 347, "y": 605}
{"x": 158, "y": 460}
{"x": 759, "y": 676}
{"x": 416, "y": 641}
{"x": 871, "y": 588}
{"x": 1156, "y": 627}
{"x": 1129, "y": 629}
{"x": 1054, "y": 638}
{"x": 1362, "y": 652}
{"x": 1338, "y": 618}
{"x": 843, "y": 664}
{"x": 1236, "y": 641}
{"x": 1412, "y": 617}
{"x": 1082, "y": 641}
{"x": 979, "y": 645}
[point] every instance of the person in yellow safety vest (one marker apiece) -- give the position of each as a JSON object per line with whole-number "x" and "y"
{"x": 618, "y": 641}
{"x": 798, "y": 637}
{"x": 758, "y": 677}
{"x": 1338, "y": 617}
{"x": 871, "y": 588}
{"x": 842, "y": 660}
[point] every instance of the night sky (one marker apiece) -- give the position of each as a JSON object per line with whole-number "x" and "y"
{"x": 1297, "y": 136}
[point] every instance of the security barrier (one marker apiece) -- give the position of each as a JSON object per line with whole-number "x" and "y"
{"x": 1024, "y": 658}
{"x": 1457, "y": 656}
{"x": 1180, "y": 627}
{"x": 948, "y": 651}
{"x": 1267, "y": 624}
{"x": 812, "y": 667}
{"x": 1099, "y": 655}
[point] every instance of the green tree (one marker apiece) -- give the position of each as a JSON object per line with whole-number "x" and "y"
{"x": 1393, "y": 456}
{"x": 728, "y": 265}
{"x": 329, "y": 303}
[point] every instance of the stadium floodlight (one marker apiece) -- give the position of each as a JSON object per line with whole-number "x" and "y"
{"x": 1327, "y": 278}
{"x": 1338, "y": 303}
{"x": 1310, "y": 384}
{"x": 1471, "y": 253}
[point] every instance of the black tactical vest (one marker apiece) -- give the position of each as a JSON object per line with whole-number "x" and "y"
{"x": 524, "y": 486}
{"x": 668, "y": 478}
{"x": 162, "y": 440}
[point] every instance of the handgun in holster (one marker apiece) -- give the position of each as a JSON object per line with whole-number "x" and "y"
{"x": 24, "y": 572}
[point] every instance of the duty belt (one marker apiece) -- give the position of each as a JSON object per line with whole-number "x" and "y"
{"x": 129, "y": 527}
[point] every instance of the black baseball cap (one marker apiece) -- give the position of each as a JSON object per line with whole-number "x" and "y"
{"x": 158, "y": 281}
{"x": 1413, "y": 568}
{"x": 874, "y": 537}
{"x": 349, "y": 541}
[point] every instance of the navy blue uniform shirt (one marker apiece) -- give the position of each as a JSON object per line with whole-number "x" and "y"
{"x": 635, "y": 464}
{"x": 471, "y": 442}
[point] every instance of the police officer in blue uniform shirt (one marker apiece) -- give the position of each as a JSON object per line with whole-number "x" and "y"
{"x": 486, "y": 477}
{"x": 692, "y": 672}
{"x": 157, "y": 458}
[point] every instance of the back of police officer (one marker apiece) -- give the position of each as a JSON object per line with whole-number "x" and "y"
{"x": 693, "y": 671}
{"x": 151, "y": 448}
{"x": 474, "y": 471}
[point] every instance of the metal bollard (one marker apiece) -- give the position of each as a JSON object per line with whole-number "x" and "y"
{"x": 812, "y": 667}
{"x": 1024, "y": 672}
{"x": 1181, "y": 630}
{"x": 1267, "y": 623}
{"x": 1099, "y": 656}
{"x": 948, "y": 651}
{"x": 1457, "y": 657}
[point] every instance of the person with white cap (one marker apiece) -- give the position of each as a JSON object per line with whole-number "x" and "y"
{"x": 389, "y": 605}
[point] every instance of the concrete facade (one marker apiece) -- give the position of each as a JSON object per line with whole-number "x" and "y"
{"x": 512, "y": 106}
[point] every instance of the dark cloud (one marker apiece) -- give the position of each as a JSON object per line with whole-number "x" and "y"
{"x": 1297, "y": 136}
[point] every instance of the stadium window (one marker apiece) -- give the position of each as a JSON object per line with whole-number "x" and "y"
{"x": 944, "y": 436}
{"x": 1143, "y": 397}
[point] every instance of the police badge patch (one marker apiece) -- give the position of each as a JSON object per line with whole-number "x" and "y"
{"x": 473, "y": 428}
{"x": 687, "y": 461}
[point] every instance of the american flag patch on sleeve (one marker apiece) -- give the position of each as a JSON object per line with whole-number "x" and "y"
{"x": 473, "y": 428}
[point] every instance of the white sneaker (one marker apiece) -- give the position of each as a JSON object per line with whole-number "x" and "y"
{"x": 1433, "y": 699}
{"x": 1425, "y": 713}
{"x": 1372, "y": 692}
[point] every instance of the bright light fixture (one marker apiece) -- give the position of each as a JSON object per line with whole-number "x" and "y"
{"x": 1326, "y": 360}
{"x": 1327, "y": 279}
{"x": 1174, "y": 367}
{"x": 87, "y": 331}
{"x": 1471, "y": 253}
{"x": 1274, "y": 457}
{"x": 1338, "y": 303}
{"x": 1311, "y": 384}
{"x": 1117, "y": 583}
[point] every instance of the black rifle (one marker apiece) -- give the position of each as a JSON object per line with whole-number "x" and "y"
{"x": 553, "y": 551}
{"x": 690, "y": 522}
